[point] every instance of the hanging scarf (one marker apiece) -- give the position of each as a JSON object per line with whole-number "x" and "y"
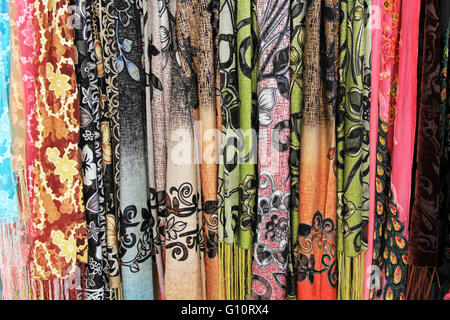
{"x": 424, "y": 224}
{"x": 25, "y": 29}
{"x": 160, "y": 55}
{"x": 236, "y": 197}
{"x": 184, "y": 242}
{"x": 396, "y": 127}
{"x": 316, "y": 231}
{"x": 377, "y": 6}
{"x": 136, "y": 222}
{"x": 106, "y": 52}
{"x": 157, "y": 267}
{"x": 442, "y": 280}
{"x": 10, "y": 255}
{"x": 167, "y": 26}
{"x": 195, "y": 38}
{"x": 298, "y": 18}
{"x": 272, "y": 225}
{"x": 18, "y": 116}
{"x": 97, "y": 282}
{"x": 228, "y": 176}
{"x": 60, "y": 241}
{"x": 352, "y": 143}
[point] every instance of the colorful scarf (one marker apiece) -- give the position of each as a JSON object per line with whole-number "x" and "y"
{"x": 298, "y": 15}
{"x": 97, "y": 282}
{"x": 424, "y": 223}
{"x": 376, "y": 16}
{"x": 396, "y": 127}
{"x": 352, "y": 126}
{"x": 195, "y": 39}
{"x": 270, "y": 249}
{"x": 10, "y": 261}
{"x": 106, "y": 53}
{"x": 316, "y": 231}
{"x": 60, "y": 239}
{"x": 135, "y": 220}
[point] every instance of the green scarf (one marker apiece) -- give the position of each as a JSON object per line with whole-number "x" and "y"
{"x": 353, "y": 116}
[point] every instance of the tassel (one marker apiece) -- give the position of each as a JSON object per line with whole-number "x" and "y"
{"x": 419, "y": 282}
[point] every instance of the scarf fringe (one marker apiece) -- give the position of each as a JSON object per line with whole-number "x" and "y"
{"x": 14, "y": 270}
{"x": 235, "y": 271}
{"x": 351, "y": 276}
{"x": 419, "y": 282}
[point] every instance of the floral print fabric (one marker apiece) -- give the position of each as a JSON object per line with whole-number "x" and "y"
{"x": 223, "y": 149}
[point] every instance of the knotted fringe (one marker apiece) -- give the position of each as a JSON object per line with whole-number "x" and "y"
{"x": 236, "y": 271}
{"x": 350, "y": 276}
{"x": 419, "y": 282}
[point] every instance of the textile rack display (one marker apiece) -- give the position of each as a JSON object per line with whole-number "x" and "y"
{"x": 224, "y": 150}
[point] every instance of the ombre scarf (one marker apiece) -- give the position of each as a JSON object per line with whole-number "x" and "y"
{"x": 316, "y": 230}
{"x": 195, "y": 39}
{"x": 135, "y": 219}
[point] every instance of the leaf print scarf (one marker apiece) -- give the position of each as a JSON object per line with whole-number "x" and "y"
{"x": 352, "y": 143}
{"x": 424, "y": 223}
{"x": 97, "y": 282}
{"x": 272, "y": 224}
{"x": 136, "y": 222}
{"x": 316, "y": 230}
{"x": 60, "y": 241}
{"x": 228, "y": 168}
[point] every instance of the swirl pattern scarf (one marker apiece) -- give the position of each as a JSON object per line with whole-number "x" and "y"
{"x": 316, "y": 231}
{"x": 352, "y": 143}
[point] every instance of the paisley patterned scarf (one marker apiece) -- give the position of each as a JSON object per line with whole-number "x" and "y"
{"x": 59, "y": 241}
{"x": 424, "y": 223}
{"x": 316, "y": 231}
{"x": 272, "y": 222}
{"x": 352, "y": 126}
